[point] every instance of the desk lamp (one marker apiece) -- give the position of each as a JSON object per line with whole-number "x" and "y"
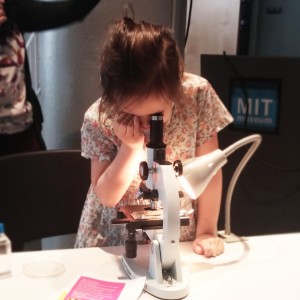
{"x": 195, "y": 174}
{"x": 160, "y": 181}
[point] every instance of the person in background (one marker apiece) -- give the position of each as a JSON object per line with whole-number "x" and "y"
{"x": 142, "y": 73}
{"x": 20, "y": 112}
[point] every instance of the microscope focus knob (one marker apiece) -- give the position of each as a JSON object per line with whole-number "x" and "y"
{"x": 144, "y": 170}
{"x": 178, "y": 168}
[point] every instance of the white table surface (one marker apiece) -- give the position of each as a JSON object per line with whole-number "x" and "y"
{"x": 264, "y": 267}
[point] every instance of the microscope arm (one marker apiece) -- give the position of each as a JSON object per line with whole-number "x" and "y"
{"x": 165, "y": 182}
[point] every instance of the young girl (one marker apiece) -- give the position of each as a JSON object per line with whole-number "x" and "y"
{"x": 142, "y": 74}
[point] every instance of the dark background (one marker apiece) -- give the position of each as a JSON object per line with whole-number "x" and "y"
{"x": 266, "y": 199}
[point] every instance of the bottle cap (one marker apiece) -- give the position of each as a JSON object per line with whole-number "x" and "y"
{"x": 1, "y": 228}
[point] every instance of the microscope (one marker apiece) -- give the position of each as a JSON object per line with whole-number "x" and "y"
{"x": 160, "y": 222}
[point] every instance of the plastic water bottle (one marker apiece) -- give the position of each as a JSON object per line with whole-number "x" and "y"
{"x": 5, "y": 253}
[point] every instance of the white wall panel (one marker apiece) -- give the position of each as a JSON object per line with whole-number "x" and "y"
{"x": 213, "y": 29}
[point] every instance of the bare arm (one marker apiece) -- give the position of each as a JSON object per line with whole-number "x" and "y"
{"x": 110, "y": 180}
{"x": 3, "y": 17}
{"x": 207, "y": 242}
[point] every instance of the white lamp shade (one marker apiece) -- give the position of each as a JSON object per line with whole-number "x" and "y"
{"x": 197, "y": 172}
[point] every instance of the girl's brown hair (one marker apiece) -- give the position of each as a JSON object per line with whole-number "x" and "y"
{"x": 139, "y": 59}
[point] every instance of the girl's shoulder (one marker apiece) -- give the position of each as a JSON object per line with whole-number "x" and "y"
{"x": 195, "y": 85}
{"x": 190, "y": 79}
{"x": 93, "y": 111}
{"x": 99, "y": 119}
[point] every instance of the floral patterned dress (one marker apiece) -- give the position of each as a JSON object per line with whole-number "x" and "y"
{"x": 15, "y": 111}
{"x": 191, "y": 125}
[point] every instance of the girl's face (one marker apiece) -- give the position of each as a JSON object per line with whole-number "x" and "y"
{"x": 147, "y": 107}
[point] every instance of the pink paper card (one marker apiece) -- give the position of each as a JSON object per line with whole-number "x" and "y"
{"x": 87, "y": 288}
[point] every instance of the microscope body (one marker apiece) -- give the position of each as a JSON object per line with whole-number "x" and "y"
{"x": 164, "y": 278}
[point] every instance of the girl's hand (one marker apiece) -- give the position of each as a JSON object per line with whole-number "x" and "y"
{"x": 3, "y": 17}
{"x": 209, "y": 246}
{"x": 127, "y": 129}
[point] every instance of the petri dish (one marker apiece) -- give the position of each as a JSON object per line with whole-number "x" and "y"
{"x": 43, "y": 268}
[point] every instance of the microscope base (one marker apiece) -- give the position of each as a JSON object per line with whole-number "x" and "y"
{"x": 162, "y": 283}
